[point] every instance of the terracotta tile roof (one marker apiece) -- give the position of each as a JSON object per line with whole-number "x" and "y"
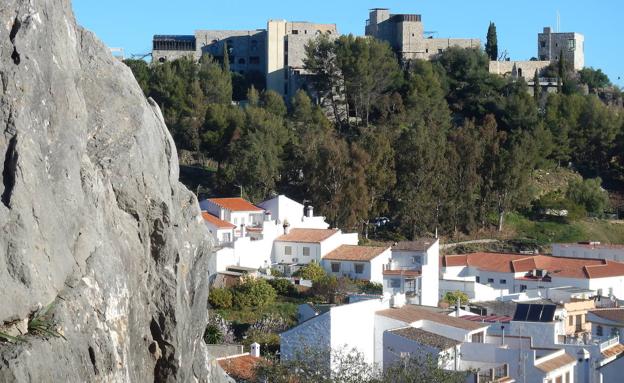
{"x": 235, "y": 204}
{"x": 422, "y": 244}
{"x": 555, "y": 363}
{"x": 219, "y": 223}
{"x": 615, "y": 350}
{"x": 425, "y": 337}
{"x": 580, "y": 268}
{"x": 612, "y": 314}
{"x": 413, "y": 313}
{"x": 240, "y": 367}
{"x": 355, "y": 253}
{"x": 307, "y": 235}
{"x": 405, "y": 273}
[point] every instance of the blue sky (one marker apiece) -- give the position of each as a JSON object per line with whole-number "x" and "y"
{"x": 130, "y": 24}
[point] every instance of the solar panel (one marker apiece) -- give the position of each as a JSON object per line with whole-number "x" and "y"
{"x": 521, "y": 312}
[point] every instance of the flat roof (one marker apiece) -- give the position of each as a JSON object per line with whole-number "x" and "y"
{"x": 425, "y": 337}
{"x": 414, "y": 313}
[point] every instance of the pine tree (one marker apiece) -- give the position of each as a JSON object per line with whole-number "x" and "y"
{"x": 491, "y": 46}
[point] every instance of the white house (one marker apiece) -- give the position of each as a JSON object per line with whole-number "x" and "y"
{"x": 287, "y": 211}
{"x": 414, "y": 265}
{"x": 302, "y": 246}
{"x": 606, "y": 323}
{"x": 593, "y": 250}
{"x": 357, "y": 262}
{"x": 237, "y": 211}
{"x": 488, "y": 276}
{"x": 222, "y": 231}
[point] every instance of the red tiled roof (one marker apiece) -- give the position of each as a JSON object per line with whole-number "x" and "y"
{"x": 612, "y": 314}
{"x": 235, "y": 204}
{"x": 240, "y": 367}
{"x": 555, "y": 363}
{"x": 219, "y": 223}
{"x": 307, "y": 235}
{"x": 614, "y": 350}
{"x": 405, "y": 273}
{"x": 412, "y": 313}
{"x": 355, "y": 253}
{"x": 579, "y": 268}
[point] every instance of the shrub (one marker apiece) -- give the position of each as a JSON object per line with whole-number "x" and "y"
{"x": 220, "y": 298}
{"x": 284, "y": 287}
{"x": 589, "y": 194}
{"x": 312, "y": 271}
{"x": 253, "y": 293}
{"x": 367, "y": 287}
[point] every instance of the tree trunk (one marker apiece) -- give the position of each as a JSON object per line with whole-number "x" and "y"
{"x": 501, "y": 215}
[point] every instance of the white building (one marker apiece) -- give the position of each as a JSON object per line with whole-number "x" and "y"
{"x": 237, "y": 211}
{"x": 488, "y": 276}
{"x": 414, "y": 264}
{"x": 591, "y": 250}
{"x": 606, "y": 323}
{"x": 357, "y": 262}
{"x": 302, "y": 246}
{"x": 287, "y": 211}
{"x": 222, "y": 231}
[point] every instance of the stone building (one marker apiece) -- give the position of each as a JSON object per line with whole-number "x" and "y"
{"x": 405, "y": 33}
{"x": 276, "y": 52}
{"x": 571, "y": 44}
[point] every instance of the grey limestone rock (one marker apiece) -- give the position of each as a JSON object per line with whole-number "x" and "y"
{"x": 93, "y": 219}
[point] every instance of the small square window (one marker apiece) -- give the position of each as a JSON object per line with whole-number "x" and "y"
{"x": 543, "y": 44}
{"x": 478, "y": 279}
{"x": 359, "y": 268}
{"x": 335, "y": 267}
{"x": 490, "y": 280}
{"x": 439, "y": 50}
{"x": 295, "y": 32}
{"x": 287, "y": 250}
{"x": 395, "y": 283}
{"x": 295, "y": 260}
{"x": 503, "y": 281}
{"x": 306, "y": 251}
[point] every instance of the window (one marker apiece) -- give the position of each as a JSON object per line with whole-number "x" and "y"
{"x": 571, "y": 321}
{"x": 599, "y": 331}
{"x": 295, "y": 32}
{"x": 477, "y": 338}
{"x": 543, "y": 44}
{"x": 306, "y": 251}
{"x": 599, "y": 292}
{"x": 287, "y": 250}
{"x": 395, "y": 283}
{"x": 415, "y": 259}
{"x": 490, "y": 280}
{"x": 295, "y": 260}
{"x": 241, "y": 61}
{"x": 359, "y": 268}
{"x": 427, "y": 50}
{"x": 235, "y": 221}
{"x": 478, "y": 279}
{"x": 571, "y": 44}
{"x": 567, "y": 379}
{"x": 615, "y": 331}
{"x": 254, "y": 60}
{"x": 503, "y": 281}
{"x": 559, "y": 379}
{"x": 523, "y": 288}
{"x": 439, "y": 50}
{"x": 519, "y": 72}
{"x": 254, "y": 45}
{"x": 335, "y": 267}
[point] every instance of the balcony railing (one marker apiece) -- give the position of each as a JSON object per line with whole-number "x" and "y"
{"x": 606, "y": 344}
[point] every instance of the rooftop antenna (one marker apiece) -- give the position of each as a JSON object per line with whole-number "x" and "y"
{"x": 558, "y": 21}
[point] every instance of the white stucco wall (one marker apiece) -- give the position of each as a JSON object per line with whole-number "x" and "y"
{"x": 584, "y": 251}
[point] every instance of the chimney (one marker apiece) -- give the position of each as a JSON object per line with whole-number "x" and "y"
{"x": 255, "y": 350}
{"x": 310, "y": 211}
{"x": 286, "y": 227}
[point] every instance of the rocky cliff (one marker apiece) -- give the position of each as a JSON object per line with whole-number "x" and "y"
{"x": 93, "y": 222}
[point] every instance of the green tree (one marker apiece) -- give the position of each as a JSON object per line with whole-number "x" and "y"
{"x": 141, "y": 72}
{"x": 537, "y": 88}
{"x": 594, "y": 78}
{"x": 272, "y": 102}
{"x": 491, "y": 44}
{"x": 312, "y": 271}
{"x": 451, "y": 297}
{"x": 215, "y": 80}
{"x": 589, "y": 194}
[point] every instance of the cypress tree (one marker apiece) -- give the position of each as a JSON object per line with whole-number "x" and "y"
{"x": 491, "y": 46}
{"x": 537, "y": 88}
